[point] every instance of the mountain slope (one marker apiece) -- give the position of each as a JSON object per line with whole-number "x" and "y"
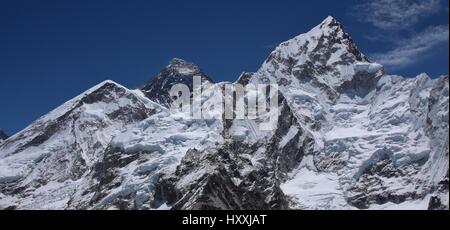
{"x": 103, "y": 149}
{"x": 360, "y": 119}
{"x": 348, "y": 136}
{"x": 58, "y": 157}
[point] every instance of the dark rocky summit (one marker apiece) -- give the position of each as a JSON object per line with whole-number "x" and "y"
{"x": 177, "y": 72}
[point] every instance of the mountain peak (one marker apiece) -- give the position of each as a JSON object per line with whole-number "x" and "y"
{"x": 326, "y": 38}
{"x": 178, "y": 61}
{"x": 326, "y": 53}
{"x": 332, "y": 24}
{"x": 178, "y": 71}
{"x": 99, "y": 92}
{"x": 329, "y": 21}
{"x": 105, "y": 83}
{"x": 183, "y": 67}
{"x": 329, "y": 25}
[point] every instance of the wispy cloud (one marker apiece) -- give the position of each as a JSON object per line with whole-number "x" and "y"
{"x": 396, "y": 23}
{"x": 410, "y": 50}
{"x": 395, "y": 14}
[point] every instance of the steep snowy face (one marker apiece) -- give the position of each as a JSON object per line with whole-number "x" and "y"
{"x": 104, "y": 149}
{"x": 158, "y": 145}
{"x": 436, "y": 129}
{"x": 242, "y": 172}
{"x": 380, "y": 144}
{"x": 371, "y": 131}
{"x": 54, "y": 162}
{"x": 313, "y": 68}
{"x": 177, "y": 72}
{"x": 324, "y": 55}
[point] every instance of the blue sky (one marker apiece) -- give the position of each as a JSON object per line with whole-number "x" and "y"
{"x": 50, "y": 51}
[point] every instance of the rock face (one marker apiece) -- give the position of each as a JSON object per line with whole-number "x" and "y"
{"x": 239, "y": 173}
{"x": 177, "y": 72}
{"x": 348, "y": 136}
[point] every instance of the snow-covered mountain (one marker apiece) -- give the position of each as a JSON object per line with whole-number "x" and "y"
{"x": 177, "y": 72}
{"x": 371, "y": 131}
{"x": 348, "y": 136}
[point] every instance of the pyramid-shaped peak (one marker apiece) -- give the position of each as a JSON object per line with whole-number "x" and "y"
{"x": 330, "y": 20}
{"x": 178, "y": 71}
{"x": 103, "y": 85}
{"x": 326, "y": 51}
{"x": 329, "y": 23}
{"x": 178, "y": 61}
{"x": 321, "y": 42}
{"x": 183, "y": 67}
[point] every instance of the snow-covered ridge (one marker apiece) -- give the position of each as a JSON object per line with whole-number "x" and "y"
{"x": 360, "y": 119}
{"x": 326, "y": 51}
{"x": 348, "y": 136}
{"x": 65, "y": 153}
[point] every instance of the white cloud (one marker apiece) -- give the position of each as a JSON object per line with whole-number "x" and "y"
{"x": 396, "y": 21}
{"x": 395, "y": 14}
{"x": 410, "y": 50}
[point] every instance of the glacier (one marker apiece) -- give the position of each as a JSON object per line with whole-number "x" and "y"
{"x": 349, "y": 136}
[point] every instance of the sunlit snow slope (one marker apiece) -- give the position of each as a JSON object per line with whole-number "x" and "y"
{"x": 349, "y": 136}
